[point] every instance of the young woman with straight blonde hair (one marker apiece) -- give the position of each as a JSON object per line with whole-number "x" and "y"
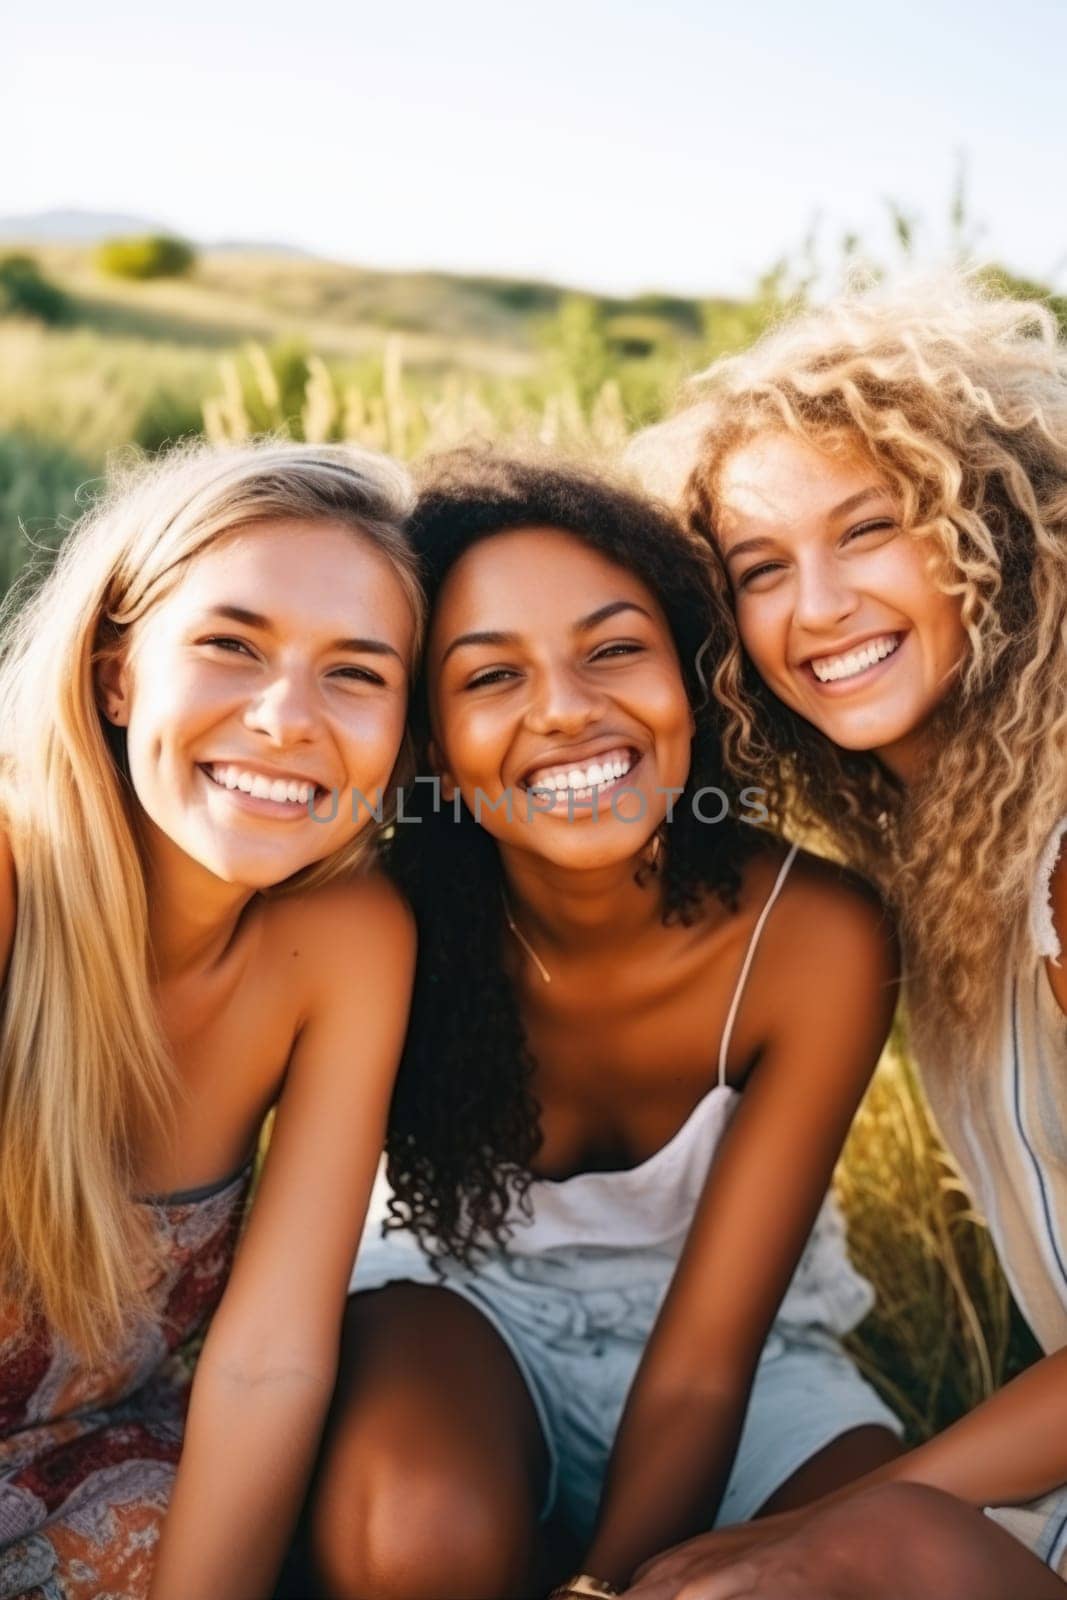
{"x": 885, "y": 482}
{"x": 197, "y": 708}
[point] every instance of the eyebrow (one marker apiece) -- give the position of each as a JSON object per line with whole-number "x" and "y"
{"x": 851, "y": 502}
{"x": 254, "y": 619}
{"x": 494, "y": 636}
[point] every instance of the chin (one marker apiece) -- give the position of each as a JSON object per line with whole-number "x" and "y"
{"x": 587, "y": 855}
{"x": 870, "y": 737}
{"x": 252, "y": 874}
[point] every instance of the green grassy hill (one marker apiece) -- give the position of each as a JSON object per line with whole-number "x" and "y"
{"x": 253, "y": 339}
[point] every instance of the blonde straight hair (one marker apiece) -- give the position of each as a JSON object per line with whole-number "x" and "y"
{"x": 84, "y": 1068}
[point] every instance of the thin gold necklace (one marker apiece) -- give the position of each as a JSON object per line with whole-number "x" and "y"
{"x": 546, "y": 976}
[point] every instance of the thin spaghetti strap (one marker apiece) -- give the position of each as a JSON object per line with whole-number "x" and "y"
{"x": 750, "y": 953}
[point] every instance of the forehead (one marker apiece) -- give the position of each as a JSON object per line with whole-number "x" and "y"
{"x": 537, "y": 575}
{"x": 289, "y": 568}
{"x": 777, "y": 480}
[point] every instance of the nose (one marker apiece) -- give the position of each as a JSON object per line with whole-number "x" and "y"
{"x": 284, "y": 710}
{"x": 824, "y": 598}
{"x": 562, "y": 702}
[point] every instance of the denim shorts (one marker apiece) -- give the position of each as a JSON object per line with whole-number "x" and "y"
{"x": 1041, "y": 1525}
{"x": 576, "y": 1322}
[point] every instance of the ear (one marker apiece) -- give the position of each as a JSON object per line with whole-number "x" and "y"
{"x": 440, "y": 767}
{"x": 112, "y": 682}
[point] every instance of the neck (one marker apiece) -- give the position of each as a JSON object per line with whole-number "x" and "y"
{"x": 568, "y": 913}
{"x": 192, "y": 915}
{"x": 906, "y": 760}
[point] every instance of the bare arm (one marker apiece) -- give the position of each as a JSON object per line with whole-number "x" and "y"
{"x": 1011, "y": 1448}
{"x": 831, "y": 963}
{"x": 266, "y": 1374}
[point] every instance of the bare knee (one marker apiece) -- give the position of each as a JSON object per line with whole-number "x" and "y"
{"x": 408, "y": 1530}
{"x": 896, "y": 1540}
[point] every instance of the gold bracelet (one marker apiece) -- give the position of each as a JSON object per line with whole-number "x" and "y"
{"x": 581, "y": 1585}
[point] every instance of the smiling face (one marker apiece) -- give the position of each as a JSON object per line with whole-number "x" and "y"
{"x": 841, "y": 610}
{"x": 274, "y": 672}
{"x": 554, "y": 687}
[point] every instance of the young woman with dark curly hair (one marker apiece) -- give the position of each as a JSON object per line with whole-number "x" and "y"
{"x": 638, "y": 1040}
{"x": 885, "y": 481}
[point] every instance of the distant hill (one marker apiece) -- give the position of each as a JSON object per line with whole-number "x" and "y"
{"x": 75, "y": 227}
{"x": 240, "y": 291}
{"x": 90, "y": 227}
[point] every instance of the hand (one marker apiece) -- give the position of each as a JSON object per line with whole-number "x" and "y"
{"x": 773, "y": 1559}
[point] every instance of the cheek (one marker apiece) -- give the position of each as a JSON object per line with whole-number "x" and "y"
{"x": 763, "y": 627}
{"x": 373, "y": 733}
{"x": 937, "y": 616}
{"x": 474, "y": 740}
{"x": 950, "y": 637}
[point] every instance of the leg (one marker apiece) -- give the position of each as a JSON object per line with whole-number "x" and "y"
{"x": 433, "y": 1465}
{"x": 842, "y": 1461}
{"x": 907, "y": 1542}
{"x": 894, "y": 1542}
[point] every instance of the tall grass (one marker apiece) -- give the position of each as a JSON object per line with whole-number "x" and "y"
{"x": 944, "y": 1333}
{"x": 405, "y": 416}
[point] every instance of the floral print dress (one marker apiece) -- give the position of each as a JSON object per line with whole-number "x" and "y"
{"x": 88, "y": 1454}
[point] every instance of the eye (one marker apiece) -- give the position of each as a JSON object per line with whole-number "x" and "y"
{"x": 767, "y": 569}
{"x": 489, "y": 676}
{"x": 225, "y": 642}
{"x": 359, "y": 675}
{"x": 878, "y": 525}
{"x": 620, "y": 647}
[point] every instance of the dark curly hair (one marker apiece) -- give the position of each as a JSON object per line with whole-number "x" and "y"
{"x": 464, "y": 1127}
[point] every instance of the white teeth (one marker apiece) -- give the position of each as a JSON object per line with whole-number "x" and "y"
{"x": 284, "y": 791}
{"x": 581, "y": 779}
{"x": 829, "y": 669}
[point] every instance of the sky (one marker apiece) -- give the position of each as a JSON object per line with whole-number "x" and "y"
{"x": 681, "y": 145}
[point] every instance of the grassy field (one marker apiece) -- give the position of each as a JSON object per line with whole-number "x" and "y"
{"x": 409, "y": 362}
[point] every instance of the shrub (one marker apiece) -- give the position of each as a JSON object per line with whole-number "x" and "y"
{"x": 24, "y": 289}
{"x": 43, "y": 487}
{"x": 153, "y": 255}
{"x": 167, "y": 416}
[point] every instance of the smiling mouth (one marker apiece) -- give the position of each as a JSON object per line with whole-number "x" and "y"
{"x": 576, "y": 784}
{"x": 855, "y": 664}
{"x": 294, "y": 794}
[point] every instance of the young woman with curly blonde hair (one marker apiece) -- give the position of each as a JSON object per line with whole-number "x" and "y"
{"x": 885, "y": 482}
{"x": 190, "y": 937}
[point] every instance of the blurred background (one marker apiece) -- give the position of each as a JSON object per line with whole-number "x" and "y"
{"x": 420, "y": 224}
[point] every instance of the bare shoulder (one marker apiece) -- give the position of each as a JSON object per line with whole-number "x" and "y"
{"x": 357, "y": 928}
{"x": 826, "y": 979}
{"x": 8, "y": 900}
{"x": 827, "y": 920}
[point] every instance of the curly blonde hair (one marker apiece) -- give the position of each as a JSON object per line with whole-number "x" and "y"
{"x": 958, "y": 398}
